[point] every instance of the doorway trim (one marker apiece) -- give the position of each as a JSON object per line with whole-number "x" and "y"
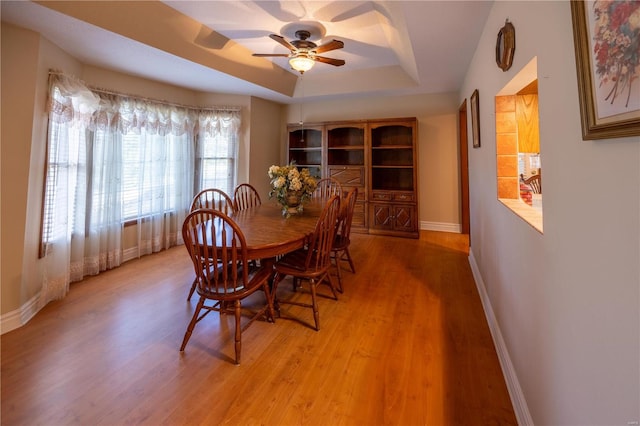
{"x": 463, "y": 143}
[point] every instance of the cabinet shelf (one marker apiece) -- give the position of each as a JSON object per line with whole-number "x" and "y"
{"x": 307, "y": 138}
{"x": 345, "y": 157}
{"x": 345, "y": 135}
{"x": 401, "y": 156}
{"x": 393, "y": 179}
{"x": 398, "y": 166}
{"x": 375, "y": 148}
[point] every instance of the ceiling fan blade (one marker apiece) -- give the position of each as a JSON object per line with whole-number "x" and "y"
{"x": 282, "y": 41}
{"x": 332, "y": 45}
{"x": 330, "y": 61}
{"x": 267, "y": 55}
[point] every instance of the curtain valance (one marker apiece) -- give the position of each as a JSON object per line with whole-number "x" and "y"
{"x": 77, "y": 104}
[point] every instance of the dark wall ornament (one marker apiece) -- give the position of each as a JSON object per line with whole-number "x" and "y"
{"x": 506, "y": 46}
{"x": 475, "y": 118}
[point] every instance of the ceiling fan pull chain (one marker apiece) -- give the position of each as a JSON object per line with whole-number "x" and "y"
{"x": 302, "y": 107}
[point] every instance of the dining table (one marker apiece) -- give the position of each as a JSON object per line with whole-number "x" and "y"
{"x": 269, "y": 234}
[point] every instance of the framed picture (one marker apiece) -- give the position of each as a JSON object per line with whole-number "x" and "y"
{"x": 608, "y": 66}
{"x": 475, "y": 119}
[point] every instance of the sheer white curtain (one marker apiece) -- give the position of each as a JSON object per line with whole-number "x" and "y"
{"x": 160, "y": 168}
{"x": 217, "y": 150}
{"x": 111, "y": 160}
{"x": 71, "y": 108}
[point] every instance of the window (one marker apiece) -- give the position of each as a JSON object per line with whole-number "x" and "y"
{"x": 216, "y": 162}
{"x": 150, "y": 173}
{"x": 64, "y": 160}
{"x": 114, "y": 159}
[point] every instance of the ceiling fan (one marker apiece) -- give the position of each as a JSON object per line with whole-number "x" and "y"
{"x": 304, "y": 53}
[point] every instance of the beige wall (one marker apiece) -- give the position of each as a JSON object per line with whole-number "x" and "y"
{"x": 566, "y": 303}
{"x": 438, "y": 185}
{"x": 19, "y": 72}
{"x": 266, "y": 136}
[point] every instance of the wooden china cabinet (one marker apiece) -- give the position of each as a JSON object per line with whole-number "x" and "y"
{"x": 393, "y": 202}
{"x": 346, "y": 152}
{"x": 376, "y": 156}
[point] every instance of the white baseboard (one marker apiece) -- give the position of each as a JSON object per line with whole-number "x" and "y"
{"x": 130, "y": 254}
{"x": 19, "y": 317}
{"x": 440, "y": 226}
{"x": 513, "y": 385}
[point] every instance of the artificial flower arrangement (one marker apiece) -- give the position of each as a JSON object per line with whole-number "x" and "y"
{"x": 291, "y": 187}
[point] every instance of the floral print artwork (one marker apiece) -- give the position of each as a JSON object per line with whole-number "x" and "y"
{"x": 616, "y": 49}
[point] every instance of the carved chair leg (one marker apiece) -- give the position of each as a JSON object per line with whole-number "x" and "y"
{"x": 346, "y": 252}
{"x": 339, "y": 270}
{"x": 192, "y": 324}
{"x": 238, "y": 336}
{"x": 193, "y": 288}
{"x": 314, "y": 304}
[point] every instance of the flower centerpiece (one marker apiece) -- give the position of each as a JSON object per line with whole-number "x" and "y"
{"x": 291, "y": 187}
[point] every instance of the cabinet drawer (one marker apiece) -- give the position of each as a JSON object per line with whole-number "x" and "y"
{"x": 404, "y": 197}
{"x": 353, "y": 176}
{"x": 382, "y": 196}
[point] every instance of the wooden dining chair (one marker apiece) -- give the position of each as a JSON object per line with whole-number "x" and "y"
{"x": 312, "y": 262}
{"x": 210, "y": 198}
{"x": 342, "y": 239}
{"x": 327, "y": 188}
{"x": 218, "y": 250}
{"x": 245, "y": 196}
{"x": 534, "y": 182}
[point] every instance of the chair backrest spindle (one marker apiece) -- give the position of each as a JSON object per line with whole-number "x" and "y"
{"x": 245, "y": 196}
{"x": 212, "y": 198}
{"x": 319, "y": 253}
{"x": 327, "y": 188}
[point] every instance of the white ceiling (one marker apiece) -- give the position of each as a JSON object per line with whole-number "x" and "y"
{"x": 399, "y": 47}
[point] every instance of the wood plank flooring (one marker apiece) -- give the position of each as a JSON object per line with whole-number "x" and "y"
{"x": 406, "y": 344}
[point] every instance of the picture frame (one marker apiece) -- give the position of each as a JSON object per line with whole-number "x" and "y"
{"x": 475, "y": 119}
{"x": 609, "y": 99}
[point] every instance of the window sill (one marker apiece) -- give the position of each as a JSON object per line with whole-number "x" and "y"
{"x": 530, "y": 215}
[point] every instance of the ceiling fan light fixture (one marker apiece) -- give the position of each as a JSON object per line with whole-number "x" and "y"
{"x": 301, "y": 63}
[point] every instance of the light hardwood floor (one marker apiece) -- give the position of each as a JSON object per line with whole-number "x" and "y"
{"x": 406, "y": 344}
